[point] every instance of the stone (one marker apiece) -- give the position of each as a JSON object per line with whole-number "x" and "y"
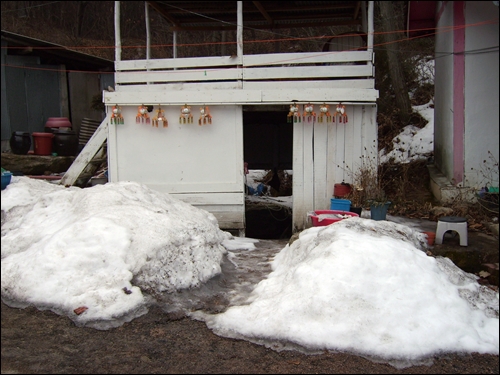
{"x": 494, "y": 229}
{"x": 441, "y": 211}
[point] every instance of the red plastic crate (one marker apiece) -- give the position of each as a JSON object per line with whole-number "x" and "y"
{"x": 330, "y": 220}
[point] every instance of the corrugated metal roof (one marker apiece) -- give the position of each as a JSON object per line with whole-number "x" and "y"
{"x": 219, "y": 15}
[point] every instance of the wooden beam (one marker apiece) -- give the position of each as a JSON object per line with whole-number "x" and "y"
{"x": 163, "y": 12}
{"x": 203, "y": 16}
{"x": 320, "y": 23}
{"x": 356, "y": 10}
{"x": 266, "y": 15}
{"x": 86, "y": 155}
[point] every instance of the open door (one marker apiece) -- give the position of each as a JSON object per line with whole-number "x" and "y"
{"x": 268, "y": 142}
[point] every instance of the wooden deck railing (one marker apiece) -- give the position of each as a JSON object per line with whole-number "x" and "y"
{"x": 269, "y": 78}
{"x": 269, "y": 67}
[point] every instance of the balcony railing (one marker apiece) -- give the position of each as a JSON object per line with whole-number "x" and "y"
{"x": 259, "y": 78}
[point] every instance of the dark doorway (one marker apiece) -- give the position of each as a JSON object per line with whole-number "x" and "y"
{"x": 268, "y": 139}
{"x": 268, "y": 145}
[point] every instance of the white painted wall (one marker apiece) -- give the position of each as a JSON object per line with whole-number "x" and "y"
{"x": 199, "y": 164}
{"x": 443, "y": 94}
{"x": 323, "y": 154}
{"x": 481, "y": 91}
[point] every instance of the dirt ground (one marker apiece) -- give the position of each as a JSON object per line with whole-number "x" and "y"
{"x": 36, "y": 341}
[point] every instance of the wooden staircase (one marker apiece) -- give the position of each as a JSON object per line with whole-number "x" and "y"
{"x": 89, "y": 159}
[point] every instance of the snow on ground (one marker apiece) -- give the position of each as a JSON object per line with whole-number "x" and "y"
{"x": 413, "y": 143}
{"x": 358, "y": 285}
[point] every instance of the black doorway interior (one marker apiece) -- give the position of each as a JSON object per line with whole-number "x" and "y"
{"x": 268, "y": 139}
{"x": 268, "y": 144}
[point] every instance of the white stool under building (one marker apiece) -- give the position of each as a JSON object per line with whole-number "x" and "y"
{"x": 455, "y": 223}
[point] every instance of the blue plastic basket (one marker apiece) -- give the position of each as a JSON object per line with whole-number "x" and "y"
{"x": 6, "y": 177}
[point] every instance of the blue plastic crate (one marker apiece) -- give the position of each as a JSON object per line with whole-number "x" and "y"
{"x": 340, "y": 204}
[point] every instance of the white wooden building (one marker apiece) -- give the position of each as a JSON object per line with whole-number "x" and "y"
{"x": 203, "y": 164}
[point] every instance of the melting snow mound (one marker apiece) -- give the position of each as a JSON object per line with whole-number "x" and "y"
{"x": 100, "y": 247}
{"x": 365, "y": 287}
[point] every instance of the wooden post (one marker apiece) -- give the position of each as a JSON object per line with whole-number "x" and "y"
{"x": 148, "y": 34}
{"x": 118, "y": 38}
{"x": 369, "y": 46}
{"x": 239, "y": 33}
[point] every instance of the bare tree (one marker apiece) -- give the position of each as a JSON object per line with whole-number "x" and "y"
{"x": 389, "y": 26}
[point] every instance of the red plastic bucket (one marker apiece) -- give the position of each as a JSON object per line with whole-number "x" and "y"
{"x": 431, "y": 237}
{"x": 341, "y": 190}
{"x": 42, "y": 143}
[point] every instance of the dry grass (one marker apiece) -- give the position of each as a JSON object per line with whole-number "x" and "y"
{"x": 408, "y": 188}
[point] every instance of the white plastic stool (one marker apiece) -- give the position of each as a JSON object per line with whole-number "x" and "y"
{"x": 456, "y": 223}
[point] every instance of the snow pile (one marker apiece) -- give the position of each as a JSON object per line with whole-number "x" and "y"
{"x": 100, "y": 247}
{"x": 365, "y": 287}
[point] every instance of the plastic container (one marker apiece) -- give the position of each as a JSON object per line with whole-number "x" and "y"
{"x": 54, "y": 123}
{"x": 330, "y": 217}
{"x": 340, "y": 204}
{"x": 42, "y": 143}
{"x": 431, "y": 237}
{"x": 65, "y": 142}
{"x": 20, "y": 143}
{"x": 356, "y": 210}
{"x": 379, "y": 212}
{"x": 6, "y": 177}
{"x": 341, "y": 190}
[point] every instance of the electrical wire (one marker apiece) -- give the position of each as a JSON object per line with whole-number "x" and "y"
{"x": 375, "y": 46}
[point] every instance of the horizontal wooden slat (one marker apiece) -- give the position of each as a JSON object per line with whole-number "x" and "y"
{"x": 294, "y": 72}
{"x": 182, "y": 97}
{"x": 198, "y": 75}
{"x": 216, "y": 198}
{"x": 255, "y": 67}
{"x": 306, "y": 58}
{"x": 324, "y": 84}
{"x": 220, "y": 97}
{"x": 228, "y": 217}
{"x": 297, "y": 72}
{"x": 251, "y": 85}
{"x": 319, "y": 95}
{"x": 185, "y": 86}
{"x": 87, "y": 129}
{"x": 187, "y": 62}
{"x": 248, "y": 60}
{"x": 227, "y": 223}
